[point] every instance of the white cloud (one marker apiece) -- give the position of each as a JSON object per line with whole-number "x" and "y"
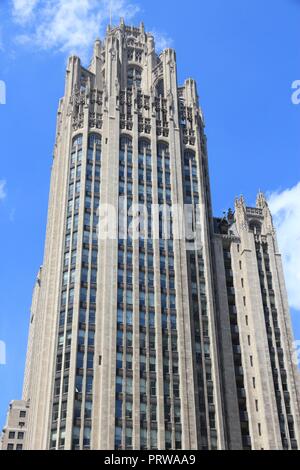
{"x": 285, "y": 207}
{"x": 23, "y": 9}
{"x": 162, "y": 40}
{"x": 2, "y": 190}
{"x": 69, "y": 26}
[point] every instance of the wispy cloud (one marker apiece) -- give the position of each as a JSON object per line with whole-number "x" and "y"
{"x": 162, "y": 40}
{"x": 23, "y": 10}
{"x": 68, "y": 26}
{"x": 2, "y": 190}
{"x": 71, "y": 26}
{"x": 285, "y": 206}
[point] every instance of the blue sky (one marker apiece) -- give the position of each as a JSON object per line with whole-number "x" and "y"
{"x": 244, "y": 55}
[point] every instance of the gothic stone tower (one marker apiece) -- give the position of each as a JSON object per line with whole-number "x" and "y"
{"x": 151, "y": 342}
{"x": 123, "y": 348}
{"x": 262, "y": 391}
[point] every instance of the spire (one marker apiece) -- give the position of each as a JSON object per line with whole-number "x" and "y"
{"x": 240, "y": 202}
{"x": 261, "y": 200}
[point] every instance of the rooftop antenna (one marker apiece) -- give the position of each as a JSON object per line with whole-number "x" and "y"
{"x": 110, "y": 13}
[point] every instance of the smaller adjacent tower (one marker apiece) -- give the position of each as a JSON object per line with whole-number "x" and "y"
{"x": 14, "y": 432}
{"x": 260, "y": 380}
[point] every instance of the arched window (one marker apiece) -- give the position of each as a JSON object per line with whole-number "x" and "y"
{"x": 144, "y": 147}
{"x": 255, "y": 227}
{"x": 126, "y": 143}
{"x": 163, "y": 149}
{"x": 94, "y": 140}
{"x": 134, "y": 77}
{"x": 189, "y": 155}
{"x": 160, "y": 88}
{"x": 77, "y": 141}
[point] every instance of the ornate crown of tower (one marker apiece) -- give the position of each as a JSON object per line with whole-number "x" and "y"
{"x": 126, "y": 74}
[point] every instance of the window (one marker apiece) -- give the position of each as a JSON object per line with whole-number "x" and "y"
{"x": 77, "y": 141}
{"x": 67, "y": 361}
{"x": 10, "y": 447}
{"x": 89, "y": 384}
{"x": 90, "y": 360}
{"x": 76, "y": 436}
{"x": 129, "y": 386}
{"x": 94, "y": 139}
{"x": 64, "y": 410}
{"x": 128, "y": 435}
{"x": 129, "y": 317}
{"x": 53, "y": 439}
{"x": 55, "y": 413}
{"x": 134, "y": 77}
{"x": 118, "y": 438}
{"x": 62, "y": 437}
{"x": 19, "y": 447}
{"x": 91, "y": 338}
{"x": 160, "y": 88}
{"x": 78, "y": 384}
{"x": 125, "y": 144}
{"x": 143, "y": 438}
{"x": 119, "y": 384}
{"x": 259, "y": 429}
{"x": 86, "y": 436}
{"x": 255, "y": 227}
{"x": 11, "y": 435}
{"x": 22, "y": 414}
{"x": 20, "y": 435}
{"x": 93, "y": 294}
{"x": 66, "y": 385}
{"x": 129, "y": 299}
{"x": 145, "y": 149}
{"x": 88, "y": 409}
{"x": 81, "y": 336}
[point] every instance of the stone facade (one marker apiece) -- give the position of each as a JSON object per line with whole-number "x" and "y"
{"x": 14, "y": 431}
{"x": 253, "y": 306}
{"x": 141, "y": 343}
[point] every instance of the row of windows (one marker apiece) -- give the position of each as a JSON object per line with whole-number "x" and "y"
{"x": 274, "y": 340}
{"x": 16, "y": 435}
{"x": 85, "y": 337}
{"x": 198, "y": 293}
{"x": 147, "y": 318}
{"x": 12, "y": 447}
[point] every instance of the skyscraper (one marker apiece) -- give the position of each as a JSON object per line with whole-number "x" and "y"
{"x": 161, "y": 341}
{"x": 255, "y": 329}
